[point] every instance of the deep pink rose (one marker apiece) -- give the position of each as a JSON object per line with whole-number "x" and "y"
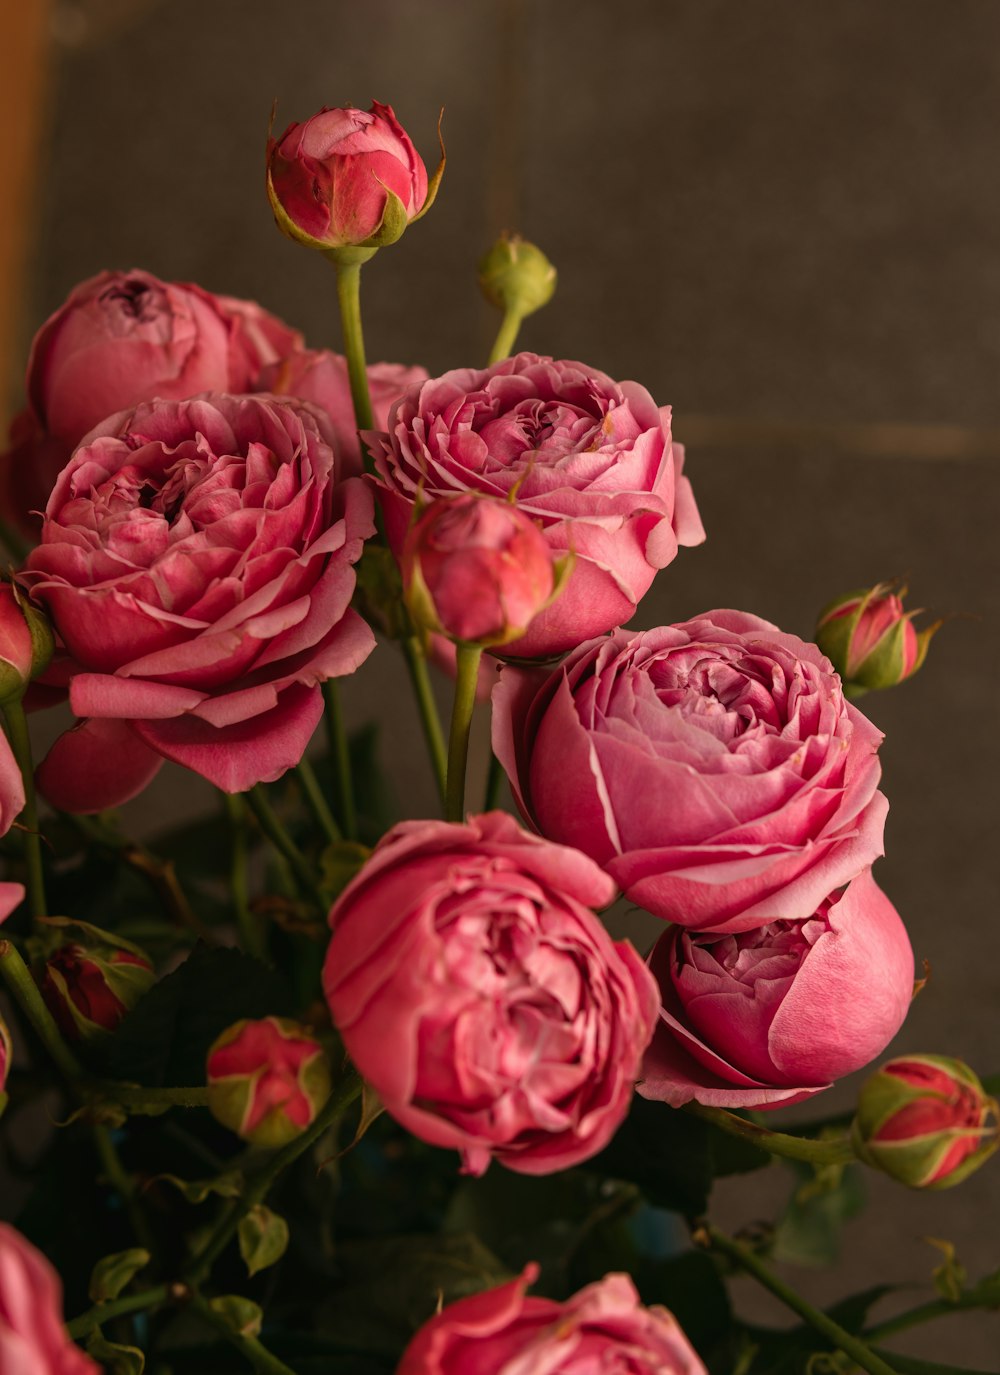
{"x": 713, "y": 768}
{"x": 601, "y": 1330}
{"x": 196, "y": 561}
{"x": 481, "y": 997}
{"x": 589, "y": 458}
{"x": 476, "y": 570}
{"x": 320, "y": 376}
{"x": 33, "y": 1340}
{"x": 267, "y": 1080}
{"x": 121, "y": 338}
{"x": 329, "y": 179}
{"x": 771, "y": 1016}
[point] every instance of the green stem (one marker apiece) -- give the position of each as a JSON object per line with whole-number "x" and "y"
{"x": 836, "y": 1151}
{"x": 262, "y": 1360}
{"x": 93, "y": 1318}
{"x": 503, "y": 344}
{"x": 494, "y": 779}
{"x": 349, "y": 300}
{"x": 272, "y": 827}
{"x": 852, "y": 1346}
{"x": 120, "y": 1180}
{"x": 316, "y": 802}
{"x": 25, "y": 993}
{"x": 251, "y": 936}
{"x": 143, "y": 1101}
{"x": 258, "y": 1187}
{"x": 340, "y": 759}
{"x": 416, "y": 663}
{"x": 20, "y": 743}
{"x": 467, "y": 659}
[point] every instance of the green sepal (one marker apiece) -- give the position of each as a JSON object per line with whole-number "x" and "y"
{"x": 115, "y": 1359}
{"x": 230, "y": 1184}
{"x": 434, "y": 182}
{"x": 243, "y": 1315}
{"x": 263, "y": 1238}
{"x": 112, "y": 1273}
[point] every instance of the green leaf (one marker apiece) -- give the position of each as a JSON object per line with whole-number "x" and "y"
{"x": 263, "y": 1237}
{"x": 116, "y": 1359}
{"x": 163, "y": 1042}
{"x": 691, "y": 1287}
{"x": 112, "y": 1273}
{"x": 666, "y": 1152}
{"x": 243, "y": 1315}
{"x": 226, "y": 1185}
{"x": 394, "y": 1284}
{"x": 809, "y": 1232}
{"x": 950, "y": 1275}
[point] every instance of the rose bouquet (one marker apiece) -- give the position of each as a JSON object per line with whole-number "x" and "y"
{"x": 331, "y": 1086}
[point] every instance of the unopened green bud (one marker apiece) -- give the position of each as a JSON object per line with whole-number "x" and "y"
{"x": 516, "y": 276}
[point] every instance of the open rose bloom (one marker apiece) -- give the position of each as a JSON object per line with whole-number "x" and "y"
{"x": 590, "y": 459}
{"x": 196, "y": 562}
{"x": 503, "y": 1331}
{"x": 33, "y": 1340}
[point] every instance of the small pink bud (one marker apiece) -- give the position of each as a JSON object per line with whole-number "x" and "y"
{"x": 267, "y": 1080}
{"x": 347, "y": 179}
{"x": 926, "y": 1121}
{"x": 89, "y": 983}
{"x": 871, "y": 640}
{"x": 476, "y": 570}
{"x": 26, "y": 643}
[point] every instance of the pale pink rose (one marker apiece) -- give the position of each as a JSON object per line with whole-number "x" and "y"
{"x": 121, "y": 338}
{"x": 33, "y": 1340}
{"x": 482, "y": 999}
{"x": 713, "y": 768}
{"x": 329, "y": 178}
{"x": 196, "y": 562}
{"x": 320, "y": 376}
{"x": 768, "y": 1017}
{"x": 600, "y": 1330}
{"x": 589, "y": 458}
{"x": 476, "y": 570}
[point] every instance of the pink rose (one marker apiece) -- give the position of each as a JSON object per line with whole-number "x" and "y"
{"x": 33, "y": 1340}
{"x": 774, "y": 1015}
{"x": 344, "y": 175}
{"x": 589, "y": 458}
{"x": 871, "y": 640}
{"x": 481, "y": 997}
{"x": 196, "y": 562}
{"x": 713, "y": 768}
{"x": 121, "y": 338}
{"x": 267, "y": 1080}
{"x": 320, "y": 376}
{"x": 602, "y": 1329}
{"x": 476, "y": 570}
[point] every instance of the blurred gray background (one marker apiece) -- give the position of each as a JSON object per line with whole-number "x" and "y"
{"x": 783, "y": 217}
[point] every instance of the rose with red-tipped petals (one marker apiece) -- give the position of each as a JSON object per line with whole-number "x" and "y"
{"x": 33, "y": 1339}
{"x": 267, "y": 1080}
{"x": 121, "y": 338}
{"x": 591, "y": 459}
{"x": 476, "y": 991}
{"x": 196, "y": 562}
{"x": 769, "y": 1017}
{"x": 713, "y": 768}
{"x": 871, "y": 639}
{"x": 502, "y": 1331}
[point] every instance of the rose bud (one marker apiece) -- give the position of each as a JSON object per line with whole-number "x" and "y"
{"x": 769, "y": 1017}
{"x": 267, "y": 1080}
{"x": 89, "y": 984}
{"x": 33, "y": 1340}
{"x": 871, "y": 640}
{"x": 516, "y": 276}
{"x": 476, "y": 570}
{"x": 591, "y": 459}
{"x": 26, "y": 643}
{"x": 348, "y": 179}
{"x": 121, "y": 338}
{"x": 712, "y": 768}
{"x": 925, "y": 1120}
{"x": 501, "y": 1331}
{"x": 481, "y": 998}
{"x": 320, "y": 376}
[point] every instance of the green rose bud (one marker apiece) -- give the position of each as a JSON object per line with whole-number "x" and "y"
{"x": 871, "y": 640}
{"x": 91, "y": 979}
{"x": 516, "y": 276}
{"x": 267, "y": 1080}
